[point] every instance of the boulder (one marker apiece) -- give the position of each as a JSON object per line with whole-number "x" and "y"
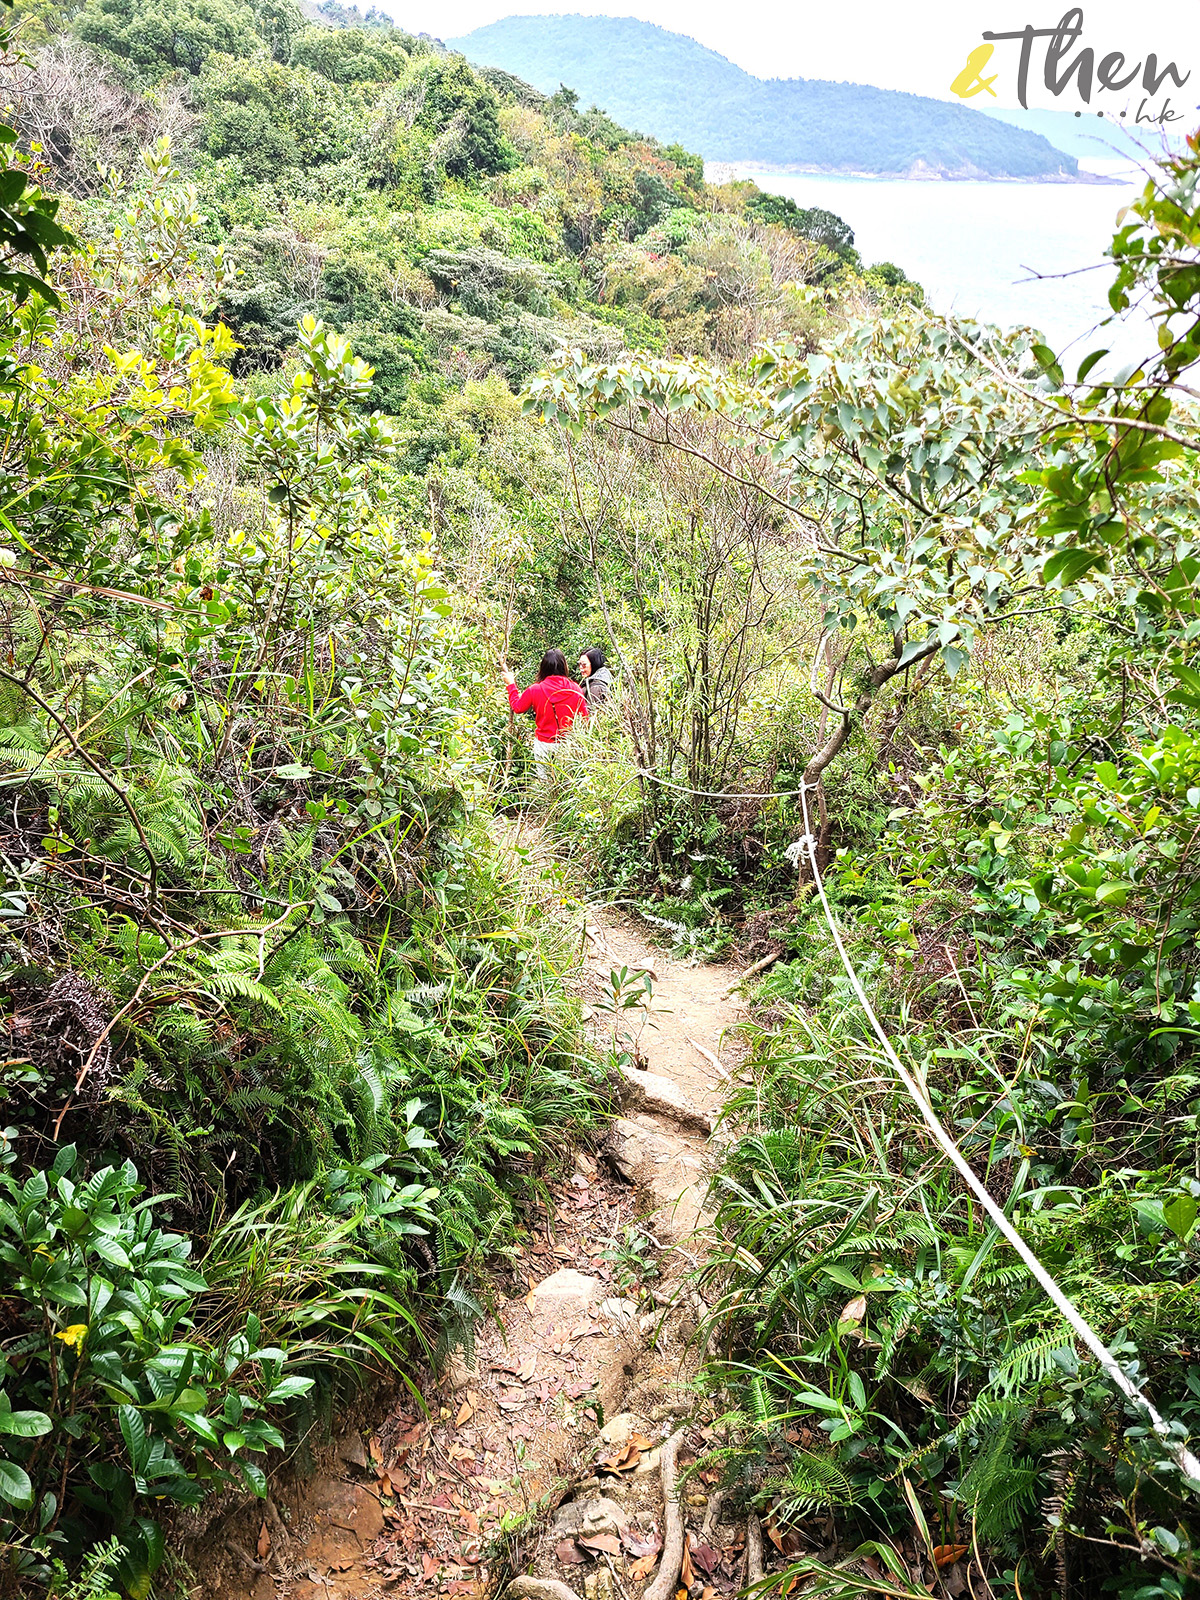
{"x": 649, "y": 1091}
{"x": 564, "y": 1297}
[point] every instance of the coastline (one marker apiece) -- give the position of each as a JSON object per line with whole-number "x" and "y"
{"x": 918, "y": 172}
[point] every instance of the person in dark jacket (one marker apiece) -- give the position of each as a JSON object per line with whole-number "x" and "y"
{"x": 595, "y": 677}
{"x": 555, "y": 702}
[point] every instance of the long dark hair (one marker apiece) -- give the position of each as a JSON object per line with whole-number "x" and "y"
{"x": 554, "y": 665}
{"x": 596, "y": 656}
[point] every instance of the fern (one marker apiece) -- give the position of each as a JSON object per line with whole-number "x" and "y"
{"x": 812, "y": 1480}
{"x": 1031, "y": 1362}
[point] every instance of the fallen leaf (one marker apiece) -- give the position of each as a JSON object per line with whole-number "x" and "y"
{"x": 640, "y": 1544}
{"x": 375, "y": 1448}
{"x": 569, "y": 1553}
{"x": 775, "y": 1537}
{"x": 788, "y": 1584}
{"x": 945, "y": 1555}
{"x": 608, "y": 1543}
{"x": 527, "y": 1368}
{"x": 686, "y": 1575}
{"x": 643, "y": 1568}
{"x": 264, "y": 1542}
{"x": 854, "y": 1310}
{"x": 465, "y": 1412}
{"x": 574, "y": 1390}
{"x": 470, "y": 1521}
{"x": 624, "y": 1459}
{"x": 706, "y": 1558}
{"x": 531, "y": 1298}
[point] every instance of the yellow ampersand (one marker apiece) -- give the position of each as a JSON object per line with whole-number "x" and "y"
{"x": 969, "y": 82}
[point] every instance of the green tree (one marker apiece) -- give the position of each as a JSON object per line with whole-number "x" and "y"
{"x": 351, "y": 55}
{"x": 160, "y": 36}
{"x": 463, "y": 114}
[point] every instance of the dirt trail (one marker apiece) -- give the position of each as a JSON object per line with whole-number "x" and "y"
{"x": 510, "y": 1446}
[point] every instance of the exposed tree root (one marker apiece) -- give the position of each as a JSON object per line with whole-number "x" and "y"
{"x": 715, "y": 1501}
{"x": 240, "y": 1553}
{"x": 754, "y": 1550}
{"x": 526, "y": 1588}
{"x": 669, "y": 1569}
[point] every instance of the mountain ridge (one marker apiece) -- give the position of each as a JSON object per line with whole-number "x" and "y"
{"x": 670, "y": 86}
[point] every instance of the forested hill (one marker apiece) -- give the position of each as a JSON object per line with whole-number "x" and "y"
{"x": 668, "y": 85}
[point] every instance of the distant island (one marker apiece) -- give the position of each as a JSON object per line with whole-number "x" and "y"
{"x": 668, "y": 86}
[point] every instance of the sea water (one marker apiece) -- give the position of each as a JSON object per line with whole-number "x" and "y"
{"x": 1015, "y": 254}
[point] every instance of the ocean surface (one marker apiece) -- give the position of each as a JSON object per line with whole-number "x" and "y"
{"x": 1009, "y": 253}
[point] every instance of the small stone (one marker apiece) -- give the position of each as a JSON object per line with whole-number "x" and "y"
{"x": 587, "y": 1517}
{"x": 459, "y": 1374}
{"x": 618, "y": 1429}
{"x": 350, "y": 1450}
{"x": 648, "y": 1463}
{"x": 563, "y": 1298}
{"x": 622, "y": 1312}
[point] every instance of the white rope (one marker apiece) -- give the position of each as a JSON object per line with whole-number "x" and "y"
{"x": 1183, "y": 1457}
{"x": 719, "y": 794}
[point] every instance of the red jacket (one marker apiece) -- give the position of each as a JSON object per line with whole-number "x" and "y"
{"x": 555, "y": 703}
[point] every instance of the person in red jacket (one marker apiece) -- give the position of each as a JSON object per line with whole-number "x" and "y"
{"x": 555, "y": 702}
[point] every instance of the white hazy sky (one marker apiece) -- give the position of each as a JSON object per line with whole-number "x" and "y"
{"x": 919, "y": 45}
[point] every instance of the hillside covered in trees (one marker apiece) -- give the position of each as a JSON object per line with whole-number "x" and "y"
{"x": 677, "y": 89}
{"x": 337, "y": 372}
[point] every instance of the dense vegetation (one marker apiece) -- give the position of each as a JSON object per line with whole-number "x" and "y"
{"x": 676, "y": 89}
{"x": 289, "y": 1041}
{"x": 936, "y": 602}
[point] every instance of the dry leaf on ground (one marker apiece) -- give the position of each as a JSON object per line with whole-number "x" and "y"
{"x": 608, "y": 1543}
{"x": 686, "y": 1576}
{"x": 945, "y": 1555}
{"x": 642, "y": 1544}
{"x": 622, "y": 1460}
{"x": 705, "y": 1557}
{"x": 569, "y": 1553}
{"x": 264, "y": 1541}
